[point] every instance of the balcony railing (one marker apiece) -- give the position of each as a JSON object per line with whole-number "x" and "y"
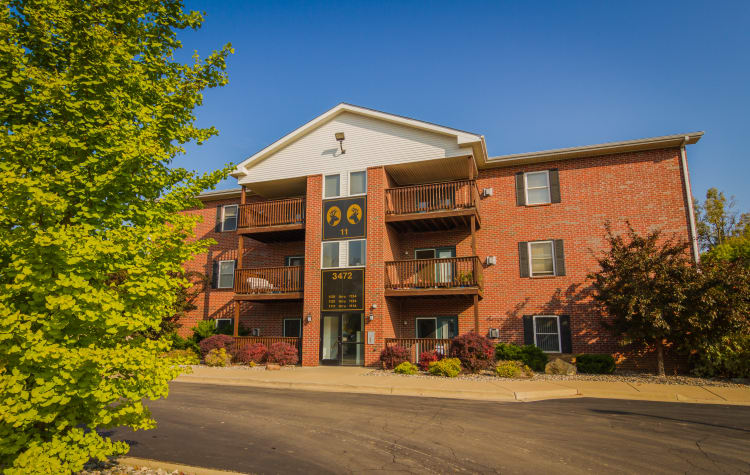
{"x": 417, "y": 346}
{"x": 448, "y": 196}
{"x": 272, "y": 213}
{"x": 268, "y": 280}
{"x": 450, "y": 272}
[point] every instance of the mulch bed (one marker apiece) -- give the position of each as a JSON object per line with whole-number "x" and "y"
{"x": 112, "y": 468}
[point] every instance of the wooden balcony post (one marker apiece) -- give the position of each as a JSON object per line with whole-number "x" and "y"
{"x": 473, "y": 235}
{"x": 236, "y": 331}
{"x": 241, "y": 242}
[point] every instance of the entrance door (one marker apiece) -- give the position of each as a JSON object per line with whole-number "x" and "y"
{"x": 342, "y": 339}
{"x": 441, "y": 273}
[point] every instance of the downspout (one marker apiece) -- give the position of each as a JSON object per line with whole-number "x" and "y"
{"x": 689, "y": 198}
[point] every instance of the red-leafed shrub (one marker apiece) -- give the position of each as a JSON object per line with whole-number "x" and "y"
{"x": 393, "y": 356}
{"x": 215, "y": 342}
{"x": 254, "y": 353}
{"x": 282, "y": 353}
{"x": 427, "y": 357}
{"x": 474, "y": 350}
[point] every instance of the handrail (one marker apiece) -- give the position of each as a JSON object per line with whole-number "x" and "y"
{"x": 449, "y": 272}
{"x": 268, "y": 280}
{"x": 445, "y": 196}
{"x": 272, "y": 213}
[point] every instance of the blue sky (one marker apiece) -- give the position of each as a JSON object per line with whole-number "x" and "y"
{"x": 527, "y": 75}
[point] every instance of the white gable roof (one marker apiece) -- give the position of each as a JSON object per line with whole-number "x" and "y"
{"x": 372, "y": 138}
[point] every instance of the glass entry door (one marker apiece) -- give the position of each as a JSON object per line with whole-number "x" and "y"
{"x": 342, "y": 339}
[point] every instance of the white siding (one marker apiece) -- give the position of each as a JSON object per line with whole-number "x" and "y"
{"x": 369, "y": 142}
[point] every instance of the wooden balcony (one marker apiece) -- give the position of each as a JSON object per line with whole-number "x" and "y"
{"x": 434, "y": 277}
{"x": 269, "y": 283}
{"x": 432, "y": 207}
{"x": 273, "y": 220}
{"x": 417, "y": 346}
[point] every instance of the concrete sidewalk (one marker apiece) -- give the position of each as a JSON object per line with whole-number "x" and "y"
{"x": 363, "y": 380}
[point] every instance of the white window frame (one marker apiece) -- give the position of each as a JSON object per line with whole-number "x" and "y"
{"x": 339, "y": 195}
{"x": 531, "y": 258}
{"x": 283, "y": 328}
{"x": 349, "y": 183}
{"x": 526, "y": 188}
{"x": 348, "y": 253}
{"x": 218, "y": 277}
{"x": 236, "y": 217}
{"x": 322, "y": 248}
{"x": 216, "y": 322}
{"x": 559, "y": 333}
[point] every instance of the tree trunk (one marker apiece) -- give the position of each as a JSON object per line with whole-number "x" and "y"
{"x": 660, "y": 358}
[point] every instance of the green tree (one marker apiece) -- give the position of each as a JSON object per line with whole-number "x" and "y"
{"x": 643, "y": 285}
{"x": 94, "y": 110}
{"x": 717, "y": 219}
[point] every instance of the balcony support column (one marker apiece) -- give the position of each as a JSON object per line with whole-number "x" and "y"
{"x": 240, "y": 237}
{"x": 473, "y": 235}
{"x": 236, "y": 331}
{"x": 476, "y": 313}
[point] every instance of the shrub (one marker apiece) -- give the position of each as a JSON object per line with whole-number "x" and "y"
{"x": 513, "y": 369}
{"x": 427, "y": 357}
{"x": 393, "y": 356}
{"x": 530, "y": 355}
{"x": 184, "y": 357}
{"x": 282, "y": 353}
{"x": 253, "y": 353}
{"x": 595, "y": 364}
{"x": 474, "y": 350}
{"x": 729, "y": 359}
{"x": 215, "y": 342}
{"x": 406, "y": 368}
{"x": 218, "y": 357}
{"x": 204, "y": 329}
{"x": 180, "y": 343}
{"x": 448, "y": 367}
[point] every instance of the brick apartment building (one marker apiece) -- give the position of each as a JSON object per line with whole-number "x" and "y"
{"x": 363, "y": 229}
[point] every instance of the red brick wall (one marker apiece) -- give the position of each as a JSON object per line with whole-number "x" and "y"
{"x": 645, "y": 188}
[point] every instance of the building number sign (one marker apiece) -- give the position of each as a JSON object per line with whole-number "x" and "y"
{"x": 342, "y": 290}
{"x": 345, "y": 218}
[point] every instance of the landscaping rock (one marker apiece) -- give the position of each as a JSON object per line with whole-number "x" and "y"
{"x": 560, "y": 366}
{"x": 273, "y": 367}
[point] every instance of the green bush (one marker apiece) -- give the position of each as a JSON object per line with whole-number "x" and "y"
{"x": 729, "y": 359}
{"x": 448, "y": 367}
{"x": 595, "y": 364}
{"x": 203, "y": 330}
{"x": 406, "y": 368}
{"x": 530, "y": 355}
{"x": 513, "y": 369}
{"x": 218, "y": 357}
{"x": 184, "y": 357}
{"x": 180, "y": 343}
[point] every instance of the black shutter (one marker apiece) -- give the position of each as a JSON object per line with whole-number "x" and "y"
{"x": 559, "y": 257}
{"x": 233, "y": 269}
{"x": 554, "y": 186}
{"x": 566, "y": 340}
{"x": 528, "y": 330}
{"x": 520, "y": 190}
{"x": 215, "y": 275}
{"x": 523, "y": 258}
{"x": 217, "y": 228}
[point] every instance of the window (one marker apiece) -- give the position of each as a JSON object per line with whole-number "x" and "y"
{"x": 332, "y": 186}
{"x": 226, "y": 275}
{"x": 229, "y": 218}
{"x": 542, "y": 258}
{"x": 330, "y": 254}
{"x": 294, "y": 261}
{"x": 293, "y": 327}
{"x": 224, "y": 326}
{"x": 358, "y": 183}
{"x": 547, "y": 333}
{"x": 537, "y": 188}
{"x": 357, "y": 253}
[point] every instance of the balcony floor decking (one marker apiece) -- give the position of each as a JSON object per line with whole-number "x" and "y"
{"x": 441, "y": 220}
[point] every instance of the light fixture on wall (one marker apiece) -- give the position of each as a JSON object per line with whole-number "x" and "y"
{"x": 308, "y": 318}
{"x": 340, "y": 138}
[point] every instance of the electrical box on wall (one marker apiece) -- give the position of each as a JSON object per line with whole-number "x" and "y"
{"x": 486, "y": 192}
{"x": 490, "y": 260}
{"x": 255, "y": 332}
{"x": 494, "y": 333}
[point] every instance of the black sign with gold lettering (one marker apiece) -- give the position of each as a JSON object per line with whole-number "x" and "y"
{"x": 342, "y": 290}
{"x": 345, "y": 218}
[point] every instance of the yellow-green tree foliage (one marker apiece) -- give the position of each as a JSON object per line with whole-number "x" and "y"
{"x": 94, "y": 109}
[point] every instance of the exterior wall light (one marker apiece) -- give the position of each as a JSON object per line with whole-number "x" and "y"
{"x": 308, "y": 318}
{"x": 340, "y": 138}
